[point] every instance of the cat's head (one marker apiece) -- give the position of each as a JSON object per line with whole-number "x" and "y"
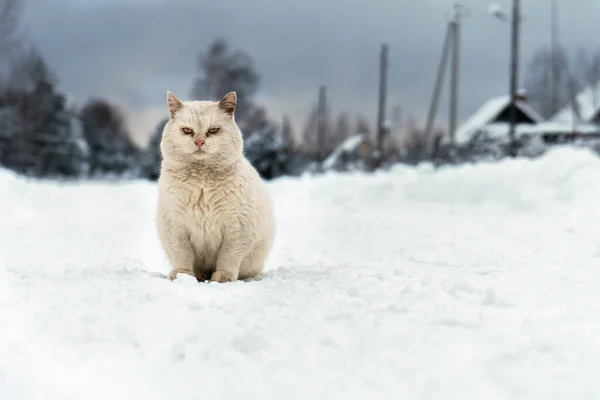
{"x": 202, "y": 131}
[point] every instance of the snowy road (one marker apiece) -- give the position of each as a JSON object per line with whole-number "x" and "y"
{"x": 467, "y": 283}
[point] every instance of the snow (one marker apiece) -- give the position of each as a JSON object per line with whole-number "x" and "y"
{"x": 471, "y": 282}
{"x": 487, "y": 113}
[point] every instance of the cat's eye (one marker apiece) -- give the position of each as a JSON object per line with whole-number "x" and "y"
{"x": 187, "y": 131}
{"x": 213, "y": 130}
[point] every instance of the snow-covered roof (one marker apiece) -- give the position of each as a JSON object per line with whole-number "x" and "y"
{"x": 487, "y": 113}
{"x": 347, "y": 146}
{"x": 588, "y": 102}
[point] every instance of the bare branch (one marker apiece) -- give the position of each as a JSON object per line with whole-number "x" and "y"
{"x": 539, "y": 80}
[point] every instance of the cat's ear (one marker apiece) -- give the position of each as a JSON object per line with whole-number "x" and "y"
{"x": 174, "y": 104}
{"x": 227, "y": 103}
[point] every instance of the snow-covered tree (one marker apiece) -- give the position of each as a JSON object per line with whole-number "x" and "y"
{"x": 265, "y": 148}
{"x": 152, "y": 158}
{"x": 111, "y": 149}
{"x": 48, "y": 141}
{"x": 9, "y": 127}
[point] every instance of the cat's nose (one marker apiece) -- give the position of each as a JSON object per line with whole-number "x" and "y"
{"x": 199, "y": 142}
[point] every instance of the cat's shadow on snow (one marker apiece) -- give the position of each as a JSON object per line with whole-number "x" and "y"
{"x": 155, "y": 274}
{"x": 266, "y": 275}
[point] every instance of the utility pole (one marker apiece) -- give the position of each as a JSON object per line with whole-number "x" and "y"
{"x": 451, "y": 43}
{"x": 439, "y": 81}
{"x": 514, "y": 71}
{"x": 321, "y": 123}
{"x": 455, "y": 29}
{"x": 554, "y": 55}
{"x": 383, "y": 68}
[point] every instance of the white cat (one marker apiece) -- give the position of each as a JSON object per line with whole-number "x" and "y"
{"x": 215, "y": 215}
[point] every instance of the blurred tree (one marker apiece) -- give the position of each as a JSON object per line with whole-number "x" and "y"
{"x": 287, "y": 134}
{"x": 538, "y": 80}
{"x": 111, "y": 149}
{"x": 9, "y": 128}
{"x": 310, "y": 140}
{"x": 588, "y": 66}
{"x": 10, "y": 11}
{"x": 416, "y": 147}
{"x": 341, "y": 131}
{"x": 47, "y": 141}
{"x": 392, "y": 146}
{"x": 222, "y": 70}
{"x": 308, "y": 144}
{"x": 362, "y": 126}
{"x": 265, "y": 150}
{"x": 152, "y": 157}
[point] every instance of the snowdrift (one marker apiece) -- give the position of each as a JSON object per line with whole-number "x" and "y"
{"x": 470, "y": 282}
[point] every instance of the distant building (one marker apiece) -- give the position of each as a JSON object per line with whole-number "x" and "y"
{"x": 579, "y": 120}
{"x": 493, "y": 118}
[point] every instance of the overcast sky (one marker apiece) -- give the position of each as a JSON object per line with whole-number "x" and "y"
{"x": 133, "y": 51}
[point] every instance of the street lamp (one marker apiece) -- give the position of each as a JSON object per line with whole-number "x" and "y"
{"x": 497, "y": 12}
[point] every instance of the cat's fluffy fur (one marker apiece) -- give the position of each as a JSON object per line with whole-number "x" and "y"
{"x": 215, "y": 216}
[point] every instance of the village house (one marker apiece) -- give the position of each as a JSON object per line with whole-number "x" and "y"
{"x": 578, "y": 120}
{"x": 493, "y": 117}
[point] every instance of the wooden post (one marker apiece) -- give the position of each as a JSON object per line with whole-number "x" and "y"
{"x": 439, "y": 81}
{"x": 514, "y": 71}
{"x": 321, "y": 123}
{"x": 554, "y": 57}
{"x": 455, "y": 29}
{"x": 383, "y": 69}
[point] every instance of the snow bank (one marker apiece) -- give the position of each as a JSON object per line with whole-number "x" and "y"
{"x": 562, "y": 177}
{"x": 469, "y": 282}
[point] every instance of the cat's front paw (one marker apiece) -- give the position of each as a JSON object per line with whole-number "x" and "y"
{"x": 223, "y": 276}
{"x": 173, "y": 274}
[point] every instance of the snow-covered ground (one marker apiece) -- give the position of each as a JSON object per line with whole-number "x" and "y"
{"x": 476, "y": 282}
